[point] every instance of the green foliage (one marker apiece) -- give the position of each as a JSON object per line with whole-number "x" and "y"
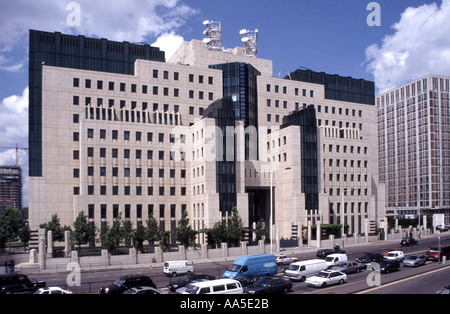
{"x": 113, "y": 236}
{"x": 184, "y": 232}
{"x": 10, "y": 225}
{"x": 83, "y": 231}
{"x": 54, "y": 225}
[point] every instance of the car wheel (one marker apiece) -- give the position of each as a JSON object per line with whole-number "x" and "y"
{"x": 341, "y": 281}
{"x": 287, "y": 290}
{"x": 387, "y": 271}
{"x": 303, "y": 278}
{"x": 324, "y": 285}
{"x": 174, "y": 274}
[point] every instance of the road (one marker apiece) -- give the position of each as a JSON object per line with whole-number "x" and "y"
{"x": 428, "y": 279}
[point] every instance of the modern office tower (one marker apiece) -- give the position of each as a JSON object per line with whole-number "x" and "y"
{"x": 414, "y": 148}
{"x": 207, "y": 131}
{"x": 10, "y": 187}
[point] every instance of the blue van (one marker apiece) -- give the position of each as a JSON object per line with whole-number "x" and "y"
{"x": 252, "y": 265}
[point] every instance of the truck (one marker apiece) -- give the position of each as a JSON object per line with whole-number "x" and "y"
{"x": 19, "y": 284}
{"x": 263, "y": 265}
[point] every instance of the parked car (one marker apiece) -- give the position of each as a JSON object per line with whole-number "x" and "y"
{"x": 368, "y": 258}
{"x": 387, "y": 266}
{"x": 219, "y": 286}
{"x": 269, "y": 285}
{"x": 446, "y": 290}
{"x": 182, "y": 289}
{"x": 408, "y": 241}
{"x": 145, "y": 290}
{"x": 348, "y": 267}
{"x": 326, "y": 277}
{"x": 124, "y": 283}
{"x": 385, "y": 253}
{"x": 187, "y": 280}
{"x": 19, "y": 283}
{"x": 395, "y": 255}
{"x": 52, "y": 290}
{"x": 436, "y": 253}
{"x": 248, "y": 279}
{"x": 322, "y": 253}
{"x": 285, "y": 260}
{"x": 415, "y": 260}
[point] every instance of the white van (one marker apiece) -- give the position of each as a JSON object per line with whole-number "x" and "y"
{"x": 219, "y": 286}
{"x": 301, "y": 270}
{"x": 175, "y": 268}
{"x": 335, "y": 259}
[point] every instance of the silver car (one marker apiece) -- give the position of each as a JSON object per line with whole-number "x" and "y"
{"x": 415, "y": 260}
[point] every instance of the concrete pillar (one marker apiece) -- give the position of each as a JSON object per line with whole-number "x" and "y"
{"x": 74, "y": 258}
{"x": 262, "y": 246}
{"x": 309, "y": 233}
{"x": 181, "y": 252}
{"x": 244, "y": 248}
{"x": 67, "y": 246}
{"x": 106, "y": 257}
{"x": 158, "y": 254}
{"x": 318, "y": 236}
{"x": 205, "y": 254}
{"x": 224, "y": 249}
{"x": 366, "y": 229}
{"x": 332, "y": 240}
{"x": 42, "y": 253}
{"x": 49, "y": 244}
{"x": 33, "y": 256}
{"x": 133, "y": 256}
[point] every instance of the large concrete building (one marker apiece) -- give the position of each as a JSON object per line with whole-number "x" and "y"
{"x": 205, "y": 132}
{"x": 414, "y": 148}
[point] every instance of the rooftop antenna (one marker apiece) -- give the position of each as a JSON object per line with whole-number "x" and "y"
{"x": 250, "y": 40}
{"x": 213, "y": 32}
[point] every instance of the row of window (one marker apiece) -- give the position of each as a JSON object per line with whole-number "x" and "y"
{"x": 127, "y": 210}
{"x": 139, "y": 191}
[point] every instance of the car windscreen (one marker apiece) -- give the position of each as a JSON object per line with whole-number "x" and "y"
{"x": 192, "y": 289}
{"x": 293, "y": 267}
{"x": 119, "y": 282}
{"x": 234, "y": 268}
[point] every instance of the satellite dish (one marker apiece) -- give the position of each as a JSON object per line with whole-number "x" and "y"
{"x": 256, "y": 30}
{"x": 243, "y": 31}
{"x": 245, "y": 39}
{"x": 206, "y": 22}
{"x": 207, "y": 40}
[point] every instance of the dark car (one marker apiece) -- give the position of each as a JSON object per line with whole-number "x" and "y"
{"x": 145, "y": 290}
{"x": 409, "y": 241}
{"x": 322, "y": 253}
{"x": 247, "y": 280}
{"x": 19, "y": 284}
{"x": 348, "y": 267}
{"x": 387, "y": 266}
{"x": 127, "y": 282}
{"x": 368, "y": 258}
{"x": 269, "y": 285}
{"x": 173, "y": 286}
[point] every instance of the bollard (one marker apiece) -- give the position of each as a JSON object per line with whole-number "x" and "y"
{"x": 444, "y": 259}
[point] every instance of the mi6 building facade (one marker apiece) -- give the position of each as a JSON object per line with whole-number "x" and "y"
{"x": 117, "y": 130}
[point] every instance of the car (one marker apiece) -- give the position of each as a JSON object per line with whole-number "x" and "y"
{"x": 415, "y": 260}
{"x": 368, "y": 258}
{"x": 52, "y": 290}
{"x": 19, "y": 284}
{"x": 387, "y": 266}
{"x": 247, "y": 280}
{"x": 395, "y": 255}
{"x": 446, "y": 291}
{"x": 322, "y": 253}
{"x": 436, "y": 253}
{"x": 269, "y": 285}
{"x": 408, "y": 241}
{"x": 182, "y": 289}
{"x": 145, "y": 290}
{"x": 285, "y": 260}
{"x": 173, "y": 286}
{"x": 127, "y": 282}
{"x": 348, "y": 267}
{"x": 385, "y": 253}
{"x": 325, "y": 278}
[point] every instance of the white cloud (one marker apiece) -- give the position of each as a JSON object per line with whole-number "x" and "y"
{"x": 131, "y": 20}
{"x": 419, "y": 46}
{"x": 169, "y": 43}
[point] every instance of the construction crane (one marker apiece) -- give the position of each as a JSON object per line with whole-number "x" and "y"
{"x": 17, "y": 152}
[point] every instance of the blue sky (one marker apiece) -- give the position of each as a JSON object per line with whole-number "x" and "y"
{"x": 322, "y": 35}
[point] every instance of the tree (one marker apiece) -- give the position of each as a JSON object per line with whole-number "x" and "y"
{"x": 138, "y": 236}
{"x": 10, "y": 225}
{"x": 83, "y": 232}
{"x": 153, "y": 231}
{"x": 261, "y": 229}
{"x": 184, "y": 232}
{"x": 113, "y": 236}
{"x": 54, "y": 225}
{"x": 235, "y": 230}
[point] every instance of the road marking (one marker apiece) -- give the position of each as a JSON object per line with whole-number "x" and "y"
{"x": 403, "y": 280}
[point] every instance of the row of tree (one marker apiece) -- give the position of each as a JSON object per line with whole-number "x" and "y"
{"x": 12, "y": 227}
{"x": 121, "y": 232}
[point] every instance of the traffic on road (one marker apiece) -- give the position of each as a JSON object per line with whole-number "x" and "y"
{"x": 353, "y": 270}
